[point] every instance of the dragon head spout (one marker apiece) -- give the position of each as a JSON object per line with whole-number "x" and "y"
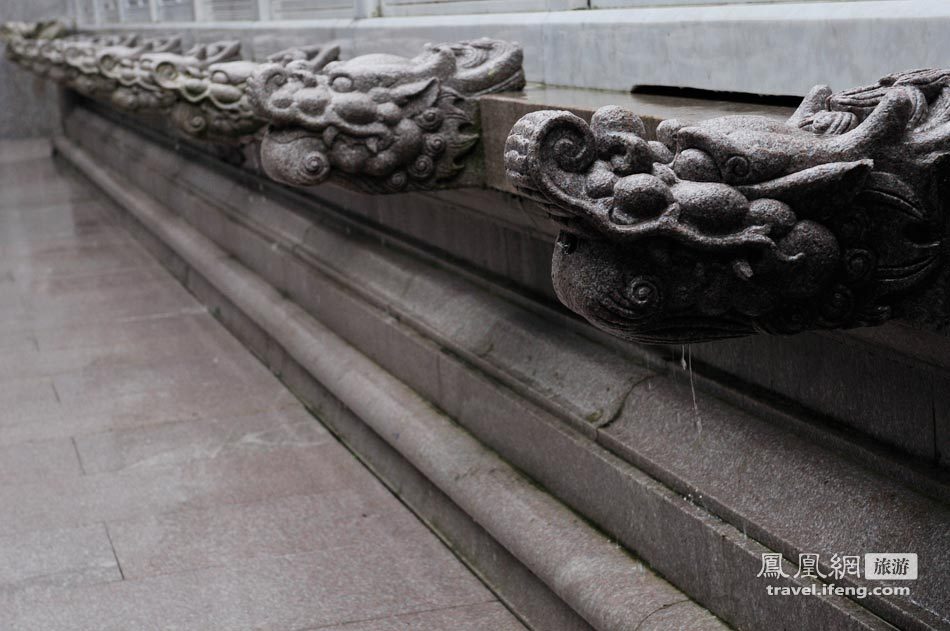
{"x": 378, "y": 121}
{"x": 738, "y": 224}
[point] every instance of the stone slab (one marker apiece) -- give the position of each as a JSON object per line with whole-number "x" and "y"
{"x": 46, "y": 418}
{"x": 266, "y": 593}
{"x": 25, "y": 400}
{"x": 225, "y": 535}
{"x": 39, "y": 461}
{"x": 25, "y": 149}
{"x": 508, "y": 578}
{"x": 227, "y": 479}
{"x": 62, "y": 220}
{"x": 129, "y": 346}
{"x": 867, "y": 389}
{"x": 172, "y": 443}
{"x": 789, "y": 494}
{"x": 43, "y": 559}
{"x": 152, "y": 470}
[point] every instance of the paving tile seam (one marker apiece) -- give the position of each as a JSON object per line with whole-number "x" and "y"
{"x": 26, "y": 205}
{"x": 249, "y": 503}
{"x": 82, "y": 468}
{"x": 171, "y": 423}
{"x": 184, "y": 419}
{"x": 61, "y": 276}
{"x": 119, "y": 353}
{"x": 234, "y": 563}
{"x": 29, "y": 334}
{"x": 92, "y": 478}
{"x": 115, "y": 555}
{"x": 33, "y": 582}
{"x": 169, "y": 513}
{"x": 290, "y": 556}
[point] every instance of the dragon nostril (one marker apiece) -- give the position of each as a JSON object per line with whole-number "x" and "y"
{"x": 567, "y": 242}
{"x": 697, "y": 166}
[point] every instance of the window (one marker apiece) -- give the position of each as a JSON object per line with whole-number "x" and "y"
{"x": 310, "y": 9}
{"x": 136, "y": 11}
{"x": 108, "y": 10}
{"x": 228, "y": 10}
{"x": 175, "y": 10}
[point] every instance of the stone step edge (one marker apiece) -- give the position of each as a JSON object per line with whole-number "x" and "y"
{"x": 680, "y": 521}
{"x": 597, "y": 578}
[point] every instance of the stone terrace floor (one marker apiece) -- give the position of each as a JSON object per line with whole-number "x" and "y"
{"x": 154, "y": 475}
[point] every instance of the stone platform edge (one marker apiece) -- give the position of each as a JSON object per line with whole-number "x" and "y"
{"x": 647, "y": 496}
{"x": 595, "y": 577}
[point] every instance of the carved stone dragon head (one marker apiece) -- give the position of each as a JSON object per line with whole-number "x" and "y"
{"x": 381, "y": 122}
{"x": 130, "y": 67}
{"x": 81, "y": 67}
{"x": 212, "y": 94}
{"x": 744, "y": 224}
{"x": 33, "y": 45}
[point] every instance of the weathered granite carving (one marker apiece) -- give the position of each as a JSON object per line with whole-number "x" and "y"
{"x": 201, "y": 90}
{"x": 129, "y": 70}
{"x": 745, "y": 224}
{"x": 81, "y": 66}
{"x": 20, "y": 35}
{"x": 380, "y": 122}
{"x": 212, "y": 94}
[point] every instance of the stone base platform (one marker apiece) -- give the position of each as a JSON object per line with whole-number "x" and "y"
{"x": 505, "y": 424}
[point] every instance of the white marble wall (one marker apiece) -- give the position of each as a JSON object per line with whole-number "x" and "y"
{"x": 773, "y": 49}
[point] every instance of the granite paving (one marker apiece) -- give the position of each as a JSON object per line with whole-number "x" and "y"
{"x": 154, "y": 475}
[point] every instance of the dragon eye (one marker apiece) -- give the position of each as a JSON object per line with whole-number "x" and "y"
{"x": 166, "y": 71}
{"x": 342, "y": 84}
{"x": 644, "y": 292}
{"x": 737, "y": 166}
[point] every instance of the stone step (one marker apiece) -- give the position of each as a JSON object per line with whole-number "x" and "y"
{"x": 699, "y": 489}
{"x": 599, "y": 581}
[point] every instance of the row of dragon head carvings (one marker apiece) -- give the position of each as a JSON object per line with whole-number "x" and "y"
{"x": 382, "y": 123}
{"x": 833, "y": 218}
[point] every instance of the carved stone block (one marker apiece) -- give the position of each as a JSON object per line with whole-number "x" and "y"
{"x": 743, "y": 224}
{"x": 380, "y": 122}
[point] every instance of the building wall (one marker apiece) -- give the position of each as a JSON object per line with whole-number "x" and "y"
{"x": 28, "y": 106}
{"x": 777, "y": 48}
